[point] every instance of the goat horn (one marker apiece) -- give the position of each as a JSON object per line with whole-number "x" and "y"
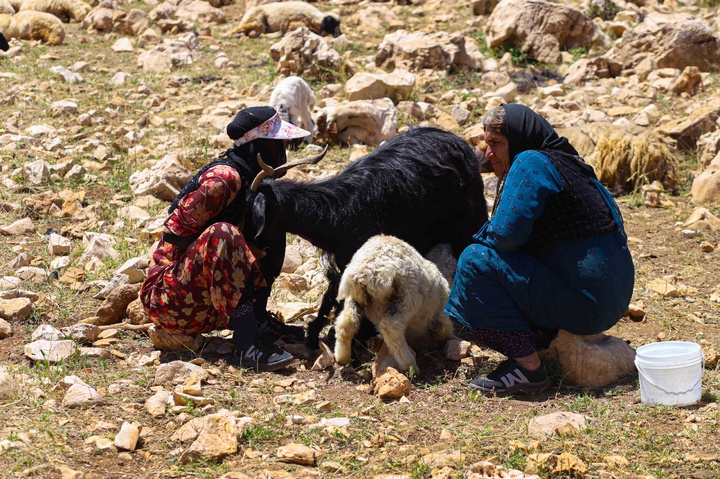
{"x": 310, "y": 160}
{"x": 267, "y": 171}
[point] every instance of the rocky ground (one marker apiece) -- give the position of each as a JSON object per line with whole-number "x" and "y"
{"x": 98, "y": 133}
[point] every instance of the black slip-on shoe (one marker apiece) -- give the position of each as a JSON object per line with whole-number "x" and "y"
{"x": 511, "y": 378}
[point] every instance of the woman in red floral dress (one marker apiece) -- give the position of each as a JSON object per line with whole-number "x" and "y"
{"x": 204, "y": 273}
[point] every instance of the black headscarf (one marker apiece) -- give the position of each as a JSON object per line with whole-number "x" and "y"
{"x": 526, "y": 130}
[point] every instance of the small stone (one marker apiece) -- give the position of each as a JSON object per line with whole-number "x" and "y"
{"x": 156, "y": 405}
{"x": 46, "y": 332}
{"x": 5, "y": 329}
{"x": 15, "y": 309}
{"x": 59, "y": 245}
{"x": 50, "y": 351}
{"x": 23, "y": 226}
{"x": 456, "y": 349}
{"x": 707, "y": 247}
{"x": 8, "y": 385}
{"x": 560, "y": 423}
{"x": 178, "y": 372}
{"x": 128, "y": 436}
{"x": 79, "y": 395}
{"x": 297, "y": 454}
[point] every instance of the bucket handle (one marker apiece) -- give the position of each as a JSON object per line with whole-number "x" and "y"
{"x": 692, "y": 388}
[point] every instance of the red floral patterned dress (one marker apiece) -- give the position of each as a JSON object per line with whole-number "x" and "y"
{"x": 194, "y": 290}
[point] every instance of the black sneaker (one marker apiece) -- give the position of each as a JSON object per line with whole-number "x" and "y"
{"x": 511, "y": 378}
{"x": 264, "y": 359}
{"x": 272, "y": 328}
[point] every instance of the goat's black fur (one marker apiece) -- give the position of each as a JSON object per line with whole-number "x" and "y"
{"x": 423, "y": 186}
{"x": 4, "y": 45}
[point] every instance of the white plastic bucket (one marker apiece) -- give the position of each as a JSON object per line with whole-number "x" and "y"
{"x": 670, "y": 372}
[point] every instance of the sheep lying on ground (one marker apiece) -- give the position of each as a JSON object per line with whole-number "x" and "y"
{"x": 4, "y": 45}
{"x": 65, "y": 10}
{"x": 294, "y": 100}
{"x": 30, "y": 25}
{"x": 286, "y": 16}
{"x": 6, "y": 7}
{"x": 400, "y": 292}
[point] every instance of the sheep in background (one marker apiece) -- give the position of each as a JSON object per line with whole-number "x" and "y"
{"x": 286, "y": 16}
{"x": 31, "y": 25}
{"x": 4, "y": 45}
{"x": 294, "y": 100}
{"x": 66, "y": 10}
{"x": 6, "y": 7}
{"x": 400, "y": 292}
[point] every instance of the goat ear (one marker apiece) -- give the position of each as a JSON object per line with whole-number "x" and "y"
{"x": 259, "y": 210}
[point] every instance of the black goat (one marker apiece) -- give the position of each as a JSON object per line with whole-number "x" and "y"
{"x": 4, "y": 45}
{"x": 423, "y": 187}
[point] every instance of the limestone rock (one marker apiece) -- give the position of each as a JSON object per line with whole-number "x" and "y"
{"x": 82, "y": 332}
{"x": 199, "y": 11}
{"x": 127, "y": 438}
{"x": 178, "y": 372}
{"x": 441, "y": 459}
{"x": 368, "y": 122}
{"x": 562, "y": 465}
{"x": 594, "y": 360}
{"x": 164, "y": 180}
{"x": 20, "y": 227}
{"x": 8, "y": 385}
{"x": 59, "y": 245}
{"x": 559, "y": 423}
{"x": 99, "y": 248}
{"x": 397, "y": 85}
{"x": 156, "y": 405}
{"x": 218, "y": 439}
{"x": 135, "y": 312}
{"x": 293, "y": 259}
{"x": 15, "y": 309}
{"x": 5, "y": 329}
{"x": 46, "y": 332}
{"x": 135, "y": 269}
{"x": 116, "y": 303}
{"x": 390, "y": 384}
{"x": 50, "y": 351}
{"x": 542, "y": 29}
{"x": 303, "y": 53}
{"x": 81, "y": 395}
{"x": 702, "y": 219}
{"x": 297, "y": 454}
{"x": 415, "y": 51}
{"x": 689, "y": 128}
{"x": 672, "y": 41}
{"x": 456, "y": 349}
{"x": 706, "y": 186}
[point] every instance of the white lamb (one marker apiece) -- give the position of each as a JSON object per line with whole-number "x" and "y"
{"x": 294, "y": 100}
{"x": 400, "y": 292}
{"x": 286, "y": 16}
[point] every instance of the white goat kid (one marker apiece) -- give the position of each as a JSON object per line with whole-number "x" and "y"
{"x": 400, "y": 292}
{"x": 293, "y": 99}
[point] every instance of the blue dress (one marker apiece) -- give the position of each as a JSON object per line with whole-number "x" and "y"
{"x": 582, "y": 286}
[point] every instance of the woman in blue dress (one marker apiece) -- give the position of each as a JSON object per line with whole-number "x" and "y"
{"x": 553, "y": 256}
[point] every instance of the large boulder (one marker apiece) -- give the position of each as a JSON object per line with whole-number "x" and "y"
{"x": 304, "y": 53}
{"x": 418, "y": 50}
{"x": 668, "y": 42}
{"x": 594, "y": 360}
{"x": 397, "y": 85}
{"x": 706, "y": 186}
{"x": 368, "y": 122}
{"x": 542, "y": 29}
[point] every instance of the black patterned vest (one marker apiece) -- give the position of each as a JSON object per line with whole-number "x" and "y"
{"x": 578, "y": 211}
{"x": 234, "y": 213}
